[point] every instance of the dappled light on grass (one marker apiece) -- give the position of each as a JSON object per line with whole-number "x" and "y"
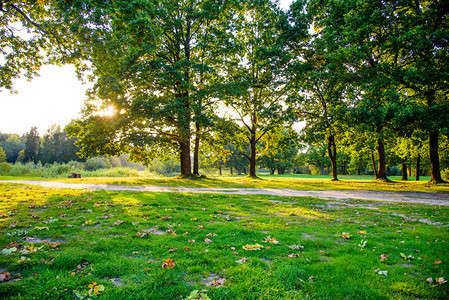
{"x": 228, "y": 246}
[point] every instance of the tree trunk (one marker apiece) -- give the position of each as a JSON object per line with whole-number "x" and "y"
{"x": 220, "y": 169}
{"x": 435, "y": 175}
{"x": 358, "y": 171}
{"x": 272, "y": 171}
{"x": 381, "y": 171}
{"x": 252, "y": 157}
{"x": 418, "y": 167}
{"x": 404, "y": 169}
{"x": 232, "y": 173}
{"x": 332, "y": 153}
{"x": 374, "y": 164}
{"x": 186, "y": 168}
{"x": 196, "y": 164}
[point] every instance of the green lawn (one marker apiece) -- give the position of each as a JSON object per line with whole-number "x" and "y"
{"x": 121, "y": 240}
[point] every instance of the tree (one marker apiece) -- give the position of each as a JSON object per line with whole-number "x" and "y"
{"x": 32, "y": 143}
{"x": 424, "y": 28}
{"x": 365, "y": 33}
{"x": 31, "y": 34}
{"x": 149, "y": 63}
{"x": 2, "y": 155}
{"x": 279, "y": 148}
{"x": 260, "y": 73}
{"x": 12, "y": 144}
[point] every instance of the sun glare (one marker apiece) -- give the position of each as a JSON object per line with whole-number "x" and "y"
{"x": 107, "y": 111}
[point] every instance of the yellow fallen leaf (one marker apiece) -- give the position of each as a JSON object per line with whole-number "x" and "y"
{"x": 168, "y": 264}
{"x": 252, "y": 247}
{"x": 345, "y": 235}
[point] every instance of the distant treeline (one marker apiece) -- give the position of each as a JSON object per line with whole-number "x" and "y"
{"x": 54, "y": 147}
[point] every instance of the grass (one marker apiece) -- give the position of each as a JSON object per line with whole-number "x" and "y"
{"x": 300, "y": 182}
{"x": 84, "y": 240}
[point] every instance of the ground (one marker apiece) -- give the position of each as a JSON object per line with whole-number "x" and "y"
{"x": 121, "y": 244}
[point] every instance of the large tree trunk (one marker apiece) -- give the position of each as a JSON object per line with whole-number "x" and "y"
{"x": 332, "y": 153}
{"x": 220, "y": 169}
{"x": 186, "y": 168}
{"x": 252, "y": 157}
{"x": 196, "y": 165}
{"x": 374, "y": 164}
{"x": 232, "y": 172}
{"x": 381, "y": 170}
{"x": 435, "y": 175}
{"x": 418, "y": 167}
{"x": 404, "y": 169}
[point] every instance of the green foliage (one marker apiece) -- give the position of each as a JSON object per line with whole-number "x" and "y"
{"x": 12, "y": 144}
{"x": 5, "y": 168}
{"x": 166, "y": 167}
{"x": 32, "y": 143}
{"x": 2, "y": 155}
{"x": 95, "y": 163}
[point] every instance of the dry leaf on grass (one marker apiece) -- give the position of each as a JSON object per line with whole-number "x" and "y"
{"x": 270, "y": 240}
{"x": 168, "y": 264}
{"x": 241, "y": 260}
{"x": 218, "y": 282}
{"x": 5, "y": 276}
{"x": 252, "y": 247}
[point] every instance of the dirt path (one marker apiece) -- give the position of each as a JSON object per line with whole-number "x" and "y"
{"x": 408, "y": 197}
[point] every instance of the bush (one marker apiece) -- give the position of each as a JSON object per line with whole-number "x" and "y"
{"x": 5, "y": 168}
{"x": 167, "y": 168}
{"x": 95, "y": 163}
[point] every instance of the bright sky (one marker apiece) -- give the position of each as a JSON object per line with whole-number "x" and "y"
{"x": 56, "y": 97}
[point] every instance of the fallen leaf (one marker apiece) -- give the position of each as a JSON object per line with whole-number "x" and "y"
{"x": 241, "y": 260}
{"x": 363, "y": 232}
{"x": 438, "y": 262}
{"x": 5, "y": 276}
{"x": 54, "y": 245}
{"x": 270, "y": 240}
{"x": 9, "y": 251}
{"x": 168, "y": 264}
{"x": 218, "y": 282}
{"x": 211, "y": 234}
{"x": 441, "y": 280}
{"x": 252, "y": 247}
{"x": 191, "y": 241}
{"x": 430, "y": 280}
{"x": 345, "y": 235}
{"x": 383, "y": 257}
{"x": 207, "y": 240}
{"x": 165, "y": 218}
{"x": 293, "y": 255}
{"x": 95, "y": 288}
{"x": 118, "y": 222}
{"x": 172, "y": 250}
{"x": 382, "y": 273}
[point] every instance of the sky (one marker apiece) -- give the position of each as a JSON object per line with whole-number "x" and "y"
{"x": 55, "y": 97}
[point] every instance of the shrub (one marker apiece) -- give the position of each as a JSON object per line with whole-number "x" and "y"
{"x": 95, "y": 163}
{"x": 167, "y": 168}
{"x": 5, "y": 168}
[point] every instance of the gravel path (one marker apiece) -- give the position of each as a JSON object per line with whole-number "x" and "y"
{"x": 407, "y": 197}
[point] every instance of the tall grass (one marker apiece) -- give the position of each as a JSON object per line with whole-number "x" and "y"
{"x": 63, "y": 170}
